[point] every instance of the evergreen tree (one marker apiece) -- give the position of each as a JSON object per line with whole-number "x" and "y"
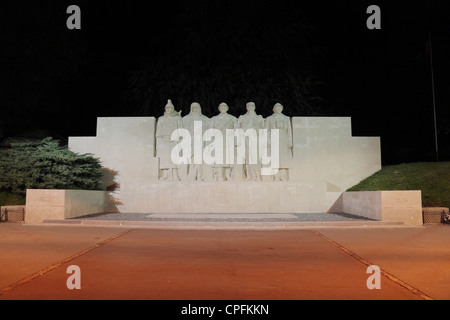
{"x": 45, "y": 164}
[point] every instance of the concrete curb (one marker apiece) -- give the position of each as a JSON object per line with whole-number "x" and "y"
{"x": 220, "y": 225}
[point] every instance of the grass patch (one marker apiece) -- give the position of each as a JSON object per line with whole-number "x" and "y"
{"x": 433, "y": 178}
{"x": 11, "y": 199}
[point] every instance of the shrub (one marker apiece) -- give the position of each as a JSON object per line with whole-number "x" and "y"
{"x": 45, "y": 164}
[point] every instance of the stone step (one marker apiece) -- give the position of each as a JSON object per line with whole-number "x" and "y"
{"x": 187, "y": 224}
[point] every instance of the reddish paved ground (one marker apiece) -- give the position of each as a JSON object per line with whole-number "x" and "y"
{"x": 218, "y": 264}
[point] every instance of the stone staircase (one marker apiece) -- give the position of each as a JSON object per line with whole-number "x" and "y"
{"x": 225, "y": 221}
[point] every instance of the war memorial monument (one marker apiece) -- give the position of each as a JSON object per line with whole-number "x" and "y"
{"x": 195, "y": 164}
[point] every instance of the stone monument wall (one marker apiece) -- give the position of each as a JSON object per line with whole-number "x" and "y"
{"x": 326, "y": 161}
{"x": 325, "y": 150}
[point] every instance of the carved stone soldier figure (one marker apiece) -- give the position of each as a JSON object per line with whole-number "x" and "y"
{"x": 253, "y": 121}
{"x": 166, "y": 125}
{"x": 223, "y": 122}
{"x": 283, "y": 123}
{"x": 195, "y": 170}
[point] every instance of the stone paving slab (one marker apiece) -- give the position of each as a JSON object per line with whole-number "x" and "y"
{"x": 226, "y": 225}
{"x": 139, "y": 263}
{"x": 210, "y": 265}
{"x": 418, "y": 256}
{"x": 213, "y": 221}
{"x": 229, "y": 217}
{"x": 26, "y": 249}
{"x": 221, "y": 216}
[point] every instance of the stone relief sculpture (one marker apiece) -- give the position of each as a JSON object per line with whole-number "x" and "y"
{"x": 138, "y": 152}
{"x": 170, "y": 121}
{"x": 195, "y": 170}
{"x": 283, "y": 123}
{"x": 223, "y": 122}
{"x": 239, "y": 157}
{"x": 253, "y": 121}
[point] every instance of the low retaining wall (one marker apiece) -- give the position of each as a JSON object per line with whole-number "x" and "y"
{"x": 224, "y": 197}
{"x": 65, "y": 204}
{"x": 393, "y": 206}
{"x": 397, "y": 206}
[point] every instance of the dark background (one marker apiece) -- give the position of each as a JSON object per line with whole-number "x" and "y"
{"x": 317, "y": 58}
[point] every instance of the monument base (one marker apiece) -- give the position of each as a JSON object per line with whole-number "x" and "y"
{"x": 244, "y": 199}
{"x": 225, "y": 197}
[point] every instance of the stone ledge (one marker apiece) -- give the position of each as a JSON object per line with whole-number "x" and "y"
{"x": 207, "y": 225}
{"x": 140, "y": 196}
{"x": 64, "y": 204}
{"x": 402, "y": 206}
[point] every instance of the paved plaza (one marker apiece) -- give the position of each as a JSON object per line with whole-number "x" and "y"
{"x": 229, "y": 260}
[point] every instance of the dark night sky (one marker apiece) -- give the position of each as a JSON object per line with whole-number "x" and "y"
{"x": 60, "y": 80}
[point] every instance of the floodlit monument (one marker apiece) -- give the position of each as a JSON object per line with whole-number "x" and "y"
{"x": 283, "y": 123}
{"x": 224, "y": 164}
{"x": 225, "y": 122}
{"x": 169, "y": 122}
{"x": 251, "y": 122}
